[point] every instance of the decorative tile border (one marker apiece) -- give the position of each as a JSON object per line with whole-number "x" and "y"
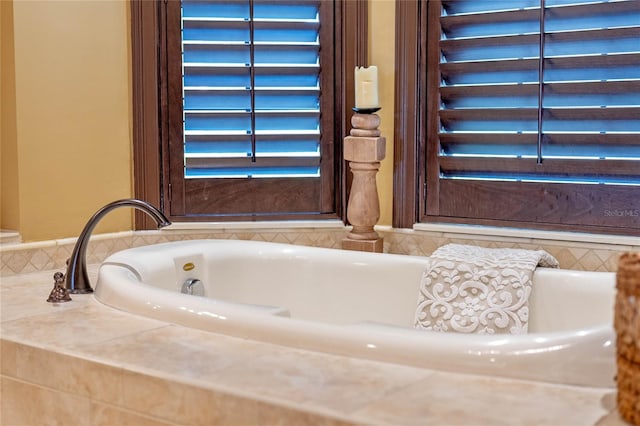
{"x": 583, "y": 256}
{"x": 33, "y": 257}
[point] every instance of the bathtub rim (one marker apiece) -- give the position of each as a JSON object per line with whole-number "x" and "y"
{"x": 374, "y": 341}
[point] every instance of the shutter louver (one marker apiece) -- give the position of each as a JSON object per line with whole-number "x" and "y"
{"x": 251, "y": 89}
{"x": 505, "y": 115}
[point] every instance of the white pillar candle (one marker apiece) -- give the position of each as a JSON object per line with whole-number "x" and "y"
{"x": 366, "y": 87}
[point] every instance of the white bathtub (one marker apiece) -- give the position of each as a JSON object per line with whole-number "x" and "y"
{"x": 361, "y": 305}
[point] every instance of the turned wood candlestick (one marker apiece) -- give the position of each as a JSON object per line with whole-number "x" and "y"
{"x": 364, "y": 149}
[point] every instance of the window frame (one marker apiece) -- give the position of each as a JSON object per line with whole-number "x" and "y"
{"x": 150, "y": 99}
{"x": 414, "y": 187}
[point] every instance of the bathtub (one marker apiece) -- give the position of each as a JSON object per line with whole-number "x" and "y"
{"x": 361, "y": 305}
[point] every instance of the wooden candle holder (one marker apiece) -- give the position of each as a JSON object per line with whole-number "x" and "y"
{"x": 364, "y": 149}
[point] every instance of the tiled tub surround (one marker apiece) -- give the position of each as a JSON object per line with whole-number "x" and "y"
{"x": 82, "y": 363}
{"x": 579, "y": 254}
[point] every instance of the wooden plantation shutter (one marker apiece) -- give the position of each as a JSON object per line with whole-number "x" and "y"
{"x": 249, "y": 137}
{"x": 537, "y": 113}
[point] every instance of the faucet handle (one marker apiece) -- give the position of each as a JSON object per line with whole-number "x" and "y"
{"x": 58, "y": 294}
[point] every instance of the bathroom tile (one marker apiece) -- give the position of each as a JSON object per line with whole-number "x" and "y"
{"x": 578, "y": 251}
{"x": 30, "y": 257}
{"x": 166, "y": 399}
{"x": 303, "y": 240}
{"x": 26, "y": 405}
{"x": 455, "y": 399}
{"x": 611, "y": 264}
{"x": 143, "y": 239}
{"x": 312, "y": 238}
{"x": 221, "y": 236}
{"x": 171, "y": 237}
{"x": 552, "y": 250}
{"x": 244, "y": 235}
{"x": 590, "y": 261}
{"x": 79, "y": 327}
{"x": 199, "y": 235}
{"x": 67, "y": 373}
{"x": 105, "y": 415}
{"x": 412, "y": 246}
{"x": 61, "y": 254}
{"x": 566, "y": 258}
{"x": 16, "y": 282}
{"x": 121, "y": 244}
{"x": 291, "y": 237}
{"x": 330, "y": 240}
{"x": 240, "y": 381}
{"x": 231, "y": 236}
{"x": 282, "y": 238}
{"x": 16, "y": 261}
{"x": 526, "y": 246}
{"x": 392, "y": 245}
{"x": 605, "y": 255}
{"x": 192, "y": 355}
{"x": 28, "y": 268}
{"x": 318, "y": 239}
{"x": 99, "y": 250}
{"x": 407, "y": 244}
{"x": 230, "y": 410}
{"x": 8, "y": 358}
{"x": 41, "y": 260}
{"x": 263, "y": 236}
{"x": 191, "y": 405}
{"x": 427, "y": 246}
{"x": 543, "y": 247}
{"x": 5, "y": 271}
{"x": 343, "y": 383}
{"x": 29, "y": 299}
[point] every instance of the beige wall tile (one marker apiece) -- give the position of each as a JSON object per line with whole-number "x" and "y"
{"x": 166, "y": 399}
{"x": 105, "y": 415}
{"x": 70, "y": 374}
{"x": 37, "y": 288}
{"x": 24, "y": 404}
{"x": 453, "y": 399}
{"x": 191, "y": 355}
{"x": 79, "y": 327}
{"x": 8, "y": 358}
{"x": 22, "y": 258}
{"x": 233, "y": 411}
{"x": 316, "y": 379}
{"x": 191, "y": 405}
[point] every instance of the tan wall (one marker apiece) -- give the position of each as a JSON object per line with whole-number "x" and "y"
{"x": 72, "y": 115}
{"x": 381, "y": 53}
{"x": 69, "y": 150}
{"x": 9, "y": 212}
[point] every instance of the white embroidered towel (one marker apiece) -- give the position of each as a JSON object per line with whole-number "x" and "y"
{"x": 473, "y": 289}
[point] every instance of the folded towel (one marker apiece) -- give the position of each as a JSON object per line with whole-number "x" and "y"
{"x": 473, "y": 289}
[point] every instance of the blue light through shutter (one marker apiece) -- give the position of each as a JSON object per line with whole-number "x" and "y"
{"x": 528, "y": 87}
{"x": 251, "y": 89}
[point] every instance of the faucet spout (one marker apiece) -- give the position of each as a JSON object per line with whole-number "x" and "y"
{"x": 77, "y": 278}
